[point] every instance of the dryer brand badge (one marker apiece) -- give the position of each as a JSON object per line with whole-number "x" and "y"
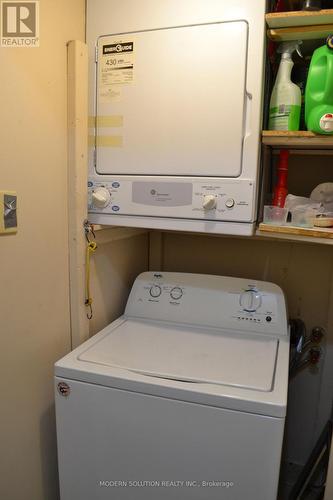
{"x": 116, "y": 48}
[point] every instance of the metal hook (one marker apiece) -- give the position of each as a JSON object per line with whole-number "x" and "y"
{"x": 90, "y": 313}
{"x": 88, "y": 229}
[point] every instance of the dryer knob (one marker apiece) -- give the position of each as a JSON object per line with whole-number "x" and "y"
{"x": 100, "y": 197}
{"x": 209, "y": 202}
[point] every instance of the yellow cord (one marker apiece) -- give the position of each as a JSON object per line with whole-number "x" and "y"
{"x": 91, "y": 248}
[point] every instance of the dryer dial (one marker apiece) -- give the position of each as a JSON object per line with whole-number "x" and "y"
{"x": 100, "y": 197}
{"x": 209, "y": 202}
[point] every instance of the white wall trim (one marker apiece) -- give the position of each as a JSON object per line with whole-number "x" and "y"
{"x": 77, "y": 185}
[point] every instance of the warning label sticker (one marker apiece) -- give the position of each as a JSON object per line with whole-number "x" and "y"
{"x": 116, "y": 67}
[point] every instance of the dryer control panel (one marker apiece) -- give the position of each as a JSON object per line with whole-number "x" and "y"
{"x": 211, "y": 301}
{"x": 208, "y": 198}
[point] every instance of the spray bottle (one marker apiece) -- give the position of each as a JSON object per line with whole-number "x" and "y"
{"x": 286, "y": 99}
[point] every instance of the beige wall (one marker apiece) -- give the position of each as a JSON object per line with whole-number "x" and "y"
{"x": 34, "y": 301}
{"x": 115, "y": 265}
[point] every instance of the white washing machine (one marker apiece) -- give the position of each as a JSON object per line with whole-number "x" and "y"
{"x": 175, "y": 113}
{"x": 183, "y": 397}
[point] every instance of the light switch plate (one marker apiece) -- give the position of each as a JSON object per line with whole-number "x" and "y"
{"x": 8, "y": 212}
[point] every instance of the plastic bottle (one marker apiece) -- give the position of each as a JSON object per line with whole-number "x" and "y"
{"x": 311, "y": 5}
{"x": 299, "y": 76}
{"x": 286, "y": 99}
{"x": 281, "y": 188}
{"x": 319, "y": 90}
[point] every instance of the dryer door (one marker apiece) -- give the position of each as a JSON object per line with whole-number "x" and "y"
{"x": 172, "y": 101}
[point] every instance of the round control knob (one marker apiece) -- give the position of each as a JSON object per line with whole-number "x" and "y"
{"x": 155, "y": 291}
{"x": 250, "y": 300}
{"x": 209, "y": 202}
{"x": 176, "y": 293}
{"x": 230, "y": 203}
{"x": 100, "y": 197}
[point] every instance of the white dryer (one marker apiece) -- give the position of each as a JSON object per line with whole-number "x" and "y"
{"x": 175, "y": 113}
{"x": 183, "y": 397}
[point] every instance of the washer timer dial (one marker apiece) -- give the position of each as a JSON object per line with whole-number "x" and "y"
{"x": 250, "y": 300}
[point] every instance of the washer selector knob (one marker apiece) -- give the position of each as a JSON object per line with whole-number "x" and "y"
{"x": 176, "y": 293}
{"x": 250, "y": 300}
{"x": 209, "y": 202}
{"x": 155, "y": 291}
{"x": 100, "y": 197}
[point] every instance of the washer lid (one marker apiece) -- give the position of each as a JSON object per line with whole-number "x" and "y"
{"x": 192, "y": 355}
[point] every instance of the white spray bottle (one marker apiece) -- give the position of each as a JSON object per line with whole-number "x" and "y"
{"x": 286, "y": 98}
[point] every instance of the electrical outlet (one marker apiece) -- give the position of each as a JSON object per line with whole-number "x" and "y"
{"x": 8, "y": 212}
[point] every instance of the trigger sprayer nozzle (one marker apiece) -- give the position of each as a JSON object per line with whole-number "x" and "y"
{"x": 288, "y": 48}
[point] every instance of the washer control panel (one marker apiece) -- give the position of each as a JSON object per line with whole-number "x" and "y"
{"x": 215, "y": 301}
{"x": 171, "y": 293}
{"x": 209, "y": 199}
{"x": 256, "y": 306}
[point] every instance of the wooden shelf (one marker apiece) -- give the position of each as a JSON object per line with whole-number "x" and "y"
{"x": 300, "y": 33}
{"x": 285, "y": 26}
{"x": 308, "y": 235}
{"x": 299, "y": 25}
{"x": 301, "y": 139}
{"x": 299, "y": 18}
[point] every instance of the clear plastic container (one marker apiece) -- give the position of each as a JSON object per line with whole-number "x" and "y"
{"x": 275, "y": 215}
{"x": 303, "y": 216}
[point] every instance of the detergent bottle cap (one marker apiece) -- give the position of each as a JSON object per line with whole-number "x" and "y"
{"x": 288, "y": 48}
{"x": 326, "y": 122}
{"x": 329, "y": 42}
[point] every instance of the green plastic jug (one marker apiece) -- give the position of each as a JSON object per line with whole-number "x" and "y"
{"x": 319, "y": 90}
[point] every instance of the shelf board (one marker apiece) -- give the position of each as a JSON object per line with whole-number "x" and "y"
{"x": 301, "y": 139}
{"x": 108, "y": 234}
{"x": 299, "y": 18}
{"x": 300, "y": 33}
{"x": 308, "y": 235}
